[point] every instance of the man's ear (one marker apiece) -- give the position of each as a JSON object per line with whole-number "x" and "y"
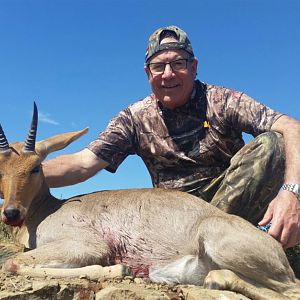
{"x": 194, "y": 67}
{"x": 147, "y": 72}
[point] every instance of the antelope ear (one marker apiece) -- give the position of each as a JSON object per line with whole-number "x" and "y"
{"x": 57, "y": 142}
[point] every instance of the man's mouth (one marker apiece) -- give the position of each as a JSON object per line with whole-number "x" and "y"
{"x": 170, "y": 86}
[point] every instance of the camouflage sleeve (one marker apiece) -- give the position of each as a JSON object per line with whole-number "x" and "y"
{"x": 116, "y": 142}
{"x": 248, "y": 115}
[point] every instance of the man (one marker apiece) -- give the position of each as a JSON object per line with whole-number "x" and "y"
{"x": 189, "y": 135}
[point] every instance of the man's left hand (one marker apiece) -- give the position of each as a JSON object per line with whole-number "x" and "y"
{"x": 284, "y": 212}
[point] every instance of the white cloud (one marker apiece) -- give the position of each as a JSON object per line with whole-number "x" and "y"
{"x": 46, "y": 119}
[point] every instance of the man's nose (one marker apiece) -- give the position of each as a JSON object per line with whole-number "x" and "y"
{"x": 168, "y": 72}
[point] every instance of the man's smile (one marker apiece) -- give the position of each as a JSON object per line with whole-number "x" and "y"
{"x": 170, "y": 86}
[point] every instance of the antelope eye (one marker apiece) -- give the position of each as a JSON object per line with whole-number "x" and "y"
{"x": 35, "y": 169}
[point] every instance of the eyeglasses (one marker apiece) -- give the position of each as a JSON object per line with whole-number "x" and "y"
{"x": 176, "y": 65}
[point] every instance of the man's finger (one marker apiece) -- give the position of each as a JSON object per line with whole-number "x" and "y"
{"x": 267, "y": 218}
{"x": 276, "y": 232}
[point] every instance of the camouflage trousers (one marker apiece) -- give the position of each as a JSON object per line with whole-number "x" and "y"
{"x": 252, "y": 180}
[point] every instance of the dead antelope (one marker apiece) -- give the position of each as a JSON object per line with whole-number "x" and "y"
{"x": 168, "y": 236}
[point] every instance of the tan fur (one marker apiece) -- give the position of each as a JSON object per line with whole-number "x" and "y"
{"x": 175, "y": 236}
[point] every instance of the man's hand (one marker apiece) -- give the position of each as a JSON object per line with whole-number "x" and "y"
{"x": 284, "y": 212}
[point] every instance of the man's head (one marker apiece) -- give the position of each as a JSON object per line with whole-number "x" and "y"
{"x": 181, "y": 41}
{"x": 171, "y": 66}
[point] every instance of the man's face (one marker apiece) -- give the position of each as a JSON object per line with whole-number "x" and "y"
{"x": 172, "y": 88}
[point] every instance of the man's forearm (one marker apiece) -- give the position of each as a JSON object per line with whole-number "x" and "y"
{"x": 290, "y": 129}
{"x": 60, "y": 172}
{"x": 72, "y": 168}
{"x": 284, "y": 210}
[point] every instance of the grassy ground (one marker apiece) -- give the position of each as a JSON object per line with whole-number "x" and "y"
{"x": 5, "y": 235}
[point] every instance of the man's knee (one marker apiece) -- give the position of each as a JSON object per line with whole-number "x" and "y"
{"x": 271, "y": 141}
{"x": 269, "y": 147}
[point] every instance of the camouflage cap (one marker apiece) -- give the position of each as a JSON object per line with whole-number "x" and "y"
{"x": 154, "y": 45}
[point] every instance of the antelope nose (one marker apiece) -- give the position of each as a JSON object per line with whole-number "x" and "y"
{"x": 11, "y": 213}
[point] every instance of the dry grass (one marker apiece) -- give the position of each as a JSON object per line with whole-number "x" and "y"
{"x": 5, "y": 235}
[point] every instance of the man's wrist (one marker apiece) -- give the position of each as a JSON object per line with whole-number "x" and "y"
{"x": 292, "y": 187}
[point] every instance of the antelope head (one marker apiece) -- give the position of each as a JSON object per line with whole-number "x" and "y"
{"x": 21, "y": 175}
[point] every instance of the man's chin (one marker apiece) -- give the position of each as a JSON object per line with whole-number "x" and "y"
{"x": 172, "y": 102}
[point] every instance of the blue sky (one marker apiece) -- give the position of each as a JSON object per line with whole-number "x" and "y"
{"x": 82, "y": 62}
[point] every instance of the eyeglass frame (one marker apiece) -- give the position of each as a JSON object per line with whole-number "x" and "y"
{"x": 189, "y": 59}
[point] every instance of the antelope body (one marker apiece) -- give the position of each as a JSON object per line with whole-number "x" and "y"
{"x": 168, "y": 236}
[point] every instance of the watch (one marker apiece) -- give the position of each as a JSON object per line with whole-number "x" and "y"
{"x": 292, "y": 187}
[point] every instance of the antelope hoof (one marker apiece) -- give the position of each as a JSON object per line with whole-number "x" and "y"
{"x": 220, "y": 279}
{"x": 10, "y": 266}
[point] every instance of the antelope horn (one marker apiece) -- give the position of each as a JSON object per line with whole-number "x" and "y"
{"x": 4, "y": 146}
{"x": 29, "y": 144}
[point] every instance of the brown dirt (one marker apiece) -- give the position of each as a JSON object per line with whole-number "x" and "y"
{"x": 26, "y": 288}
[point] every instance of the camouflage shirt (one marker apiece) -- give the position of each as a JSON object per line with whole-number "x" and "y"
{"x": 184, "y": 148}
